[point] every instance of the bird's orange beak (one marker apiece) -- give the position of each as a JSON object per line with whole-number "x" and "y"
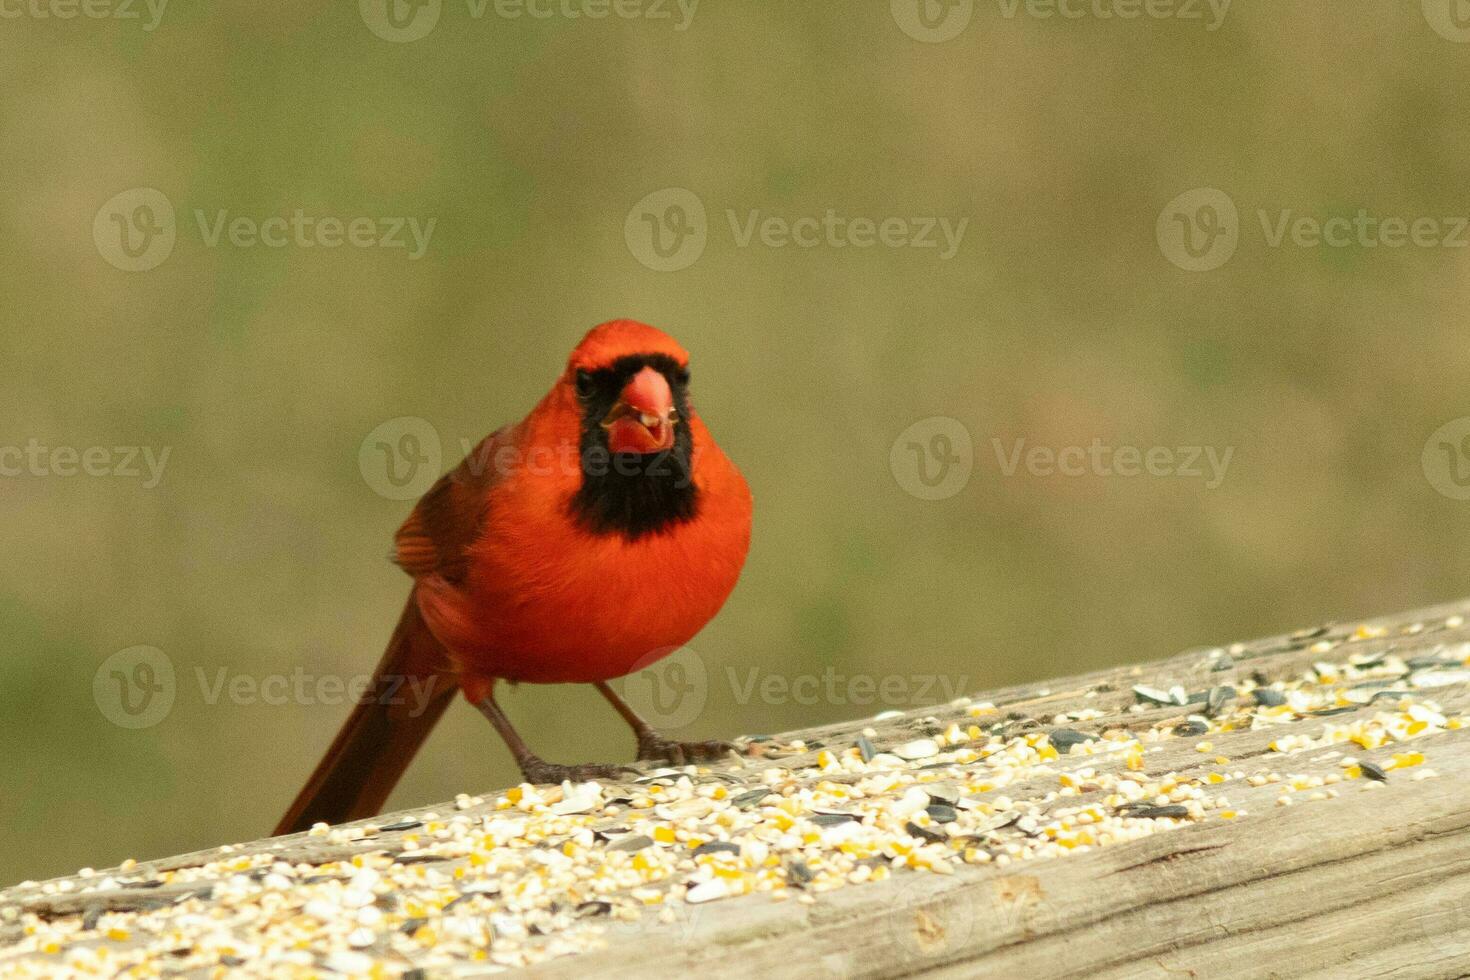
{"x": 643, "y": 419}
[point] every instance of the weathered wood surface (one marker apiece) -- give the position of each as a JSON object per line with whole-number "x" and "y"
{"x": 1367, "y": 882}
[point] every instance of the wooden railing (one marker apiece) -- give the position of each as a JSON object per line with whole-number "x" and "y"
{"x": 1304, "y": 811}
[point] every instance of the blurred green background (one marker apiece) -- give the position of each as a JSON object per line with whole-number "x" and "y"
{"x": 1060, "y": 319}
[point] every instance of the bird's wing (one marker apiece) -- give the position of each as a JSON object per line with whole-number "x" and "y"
{"x": 436, "y": 538}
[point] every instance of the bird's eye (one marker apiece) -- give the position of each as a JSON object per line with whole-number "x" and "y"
{"x": 682, "y": 376}
{"x": 584, "y": 384}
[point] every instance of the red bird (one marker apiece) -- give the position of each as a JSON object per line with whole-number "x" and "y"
{"x": 586, "y": 542}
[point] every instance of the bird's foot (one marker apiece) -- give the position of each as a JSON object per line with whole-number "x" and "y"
{"x": 653, "y": 747}
{"x": 539, "y": 771}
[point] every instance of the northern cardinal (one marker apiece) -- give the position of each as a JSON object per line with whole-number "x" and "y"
{"x": 594, "y": 537}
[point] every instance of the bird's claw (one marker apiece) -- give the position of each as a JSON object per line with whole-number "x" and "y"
{"x": 655, "y": 748}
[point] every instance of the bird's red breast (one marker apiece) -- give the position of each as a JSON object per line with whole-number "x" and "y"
{"x": 598, "y": 534}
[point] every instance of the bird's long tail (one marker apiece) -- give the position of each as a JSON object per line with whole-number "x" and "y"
{"x": 411, "y": 688}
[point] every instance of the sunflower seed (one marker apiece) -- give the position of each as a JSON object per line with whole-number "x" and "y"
{"x": 1218, "y": 699}
{"x": 834, "y": 819}
{"x": 635, "y": 843}
{"x": 747, "y": 800}
{"x": 1153, "y": 695}
{"x": 942, "y": 813}
{"x": 1062, "y": 739}
{"x": 1148, "y": 812}
{"x": 932, "y": 836}
{"x": 400, "y": 825}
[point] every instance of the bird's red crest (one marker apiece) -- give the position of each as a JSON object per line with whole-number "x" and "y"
{"x": 607, "y": 342}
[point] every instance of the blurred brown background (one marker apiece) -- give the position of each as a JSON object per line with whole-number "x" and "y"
{"x": 1065, "y": 315}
